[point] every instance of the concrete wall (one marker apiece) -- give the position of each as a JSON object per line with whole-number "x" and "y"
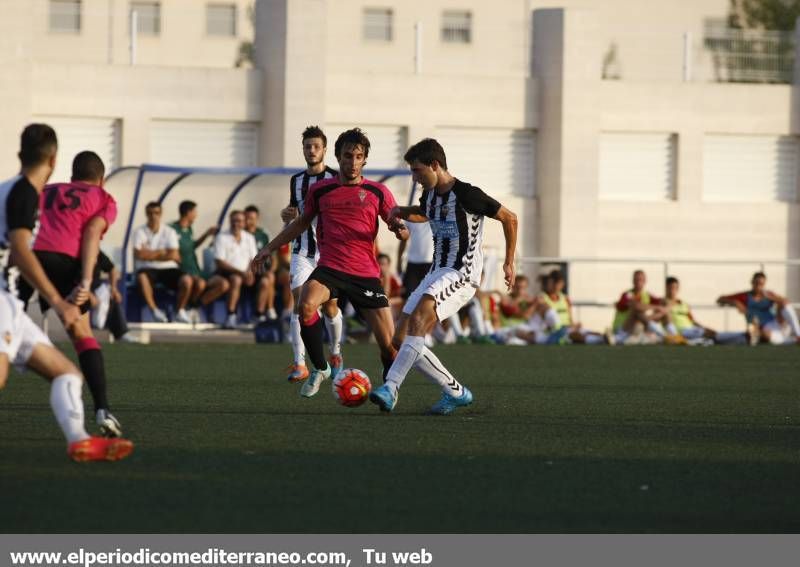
{"x": 105, "y": 35}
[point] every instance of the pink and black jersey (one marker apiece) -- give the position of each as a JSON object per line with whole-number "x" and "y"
{"x": 65, "y": 210}
{"x": 347, "y": 223}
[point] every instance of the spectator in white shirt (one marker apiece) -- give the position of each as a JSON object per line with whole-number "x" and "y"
{"x": 233, "y": 252}
{"x": 155, "y": 250}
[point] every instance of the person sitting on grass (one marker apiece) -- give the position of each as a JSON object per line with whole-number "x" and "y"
{"x": 770, "y": 317}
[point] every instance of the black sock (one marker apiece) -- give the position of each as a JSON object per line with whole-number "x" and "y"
{"x": 94, "y": 372}
{"x": 312, "y": 338}
{"x": 387, "y": 364}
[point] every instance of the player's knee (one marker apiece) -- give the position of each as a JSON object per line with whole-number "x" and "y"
{"x": 3, "y": 375}
{"x": 307, "y": 310}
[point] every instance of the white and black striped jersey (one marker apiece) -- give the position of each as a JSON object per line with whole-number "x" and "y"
{"x": 306, "y": 243}
{"x": 19, "y": 204}
{"x": 456, "y": 220}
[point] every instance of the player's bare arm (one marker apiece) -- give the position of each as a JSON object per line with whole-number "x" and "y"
{"x": 509, "y": 221}
{"x": 23, "y": 257}
{"x": 294, "y": 229}
{"x": 412, "y": 213}
{"x": 90, "y": 249}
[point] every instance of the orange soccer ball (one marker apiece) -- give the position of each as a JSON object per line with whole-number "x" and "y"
{"x": 351, "y": 387}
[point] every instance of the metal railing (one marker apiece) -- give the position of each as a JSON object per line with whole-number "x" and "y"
{"x": 750, "y": 56}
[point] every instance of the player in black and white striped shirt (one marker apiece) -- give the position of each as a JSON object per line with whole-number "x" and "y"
{"x": 22, "y": 343}
{"x": 305, "y": 254}
{"x": 455, "y": 211}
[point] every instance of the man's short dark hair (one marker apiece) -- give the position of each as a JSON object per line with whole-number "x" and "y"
{"x": 234, "y": 213}
{"x": 671, "y": 280}
{"x": 522, "y": 278}
{"x": 252, "y": 209}
{"x": 37, "y": 144}
{"x": 759, "y": 275}
{"x": 556, "y": 276}
{"x": 186, "y": 207}
{"x": 315, "y": 132}
{"x": 152, "y": 205}
{"x": 352, "y": 137}
{"x": 87, "y": 166}
{"x": 426, "y": 152}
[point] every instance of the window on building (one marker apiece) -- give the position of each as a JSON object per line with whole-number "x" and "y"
{"x": 65, "y": 16}
{"x": 378, "y": 24}
{"x": 148, "y": 16}
{"x": 456, "y": 26}
{"x": 221, "y": 20}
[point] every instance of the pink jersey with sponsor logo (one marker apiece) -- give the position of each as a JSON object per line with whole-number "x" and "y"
{"x": 64, "y": 211}
{"x": 347, "y": 223}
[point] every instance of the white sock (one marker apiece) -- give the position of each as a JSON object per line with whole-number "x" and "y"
{"x": 334, "y": 327}
{"x": 67, "y": 404}
{"x": 407, "y": 356}
{"x": 429, "y": 365}
{"x": 671, "y": 330}
{"x": 476, "y": 318}
{"x": 654, "y": 327}
{"x": 790, "y": 317}
{"x": 298, "y": 347}
{"x": 455, "y": 323}
{"x": 552, "y": 320}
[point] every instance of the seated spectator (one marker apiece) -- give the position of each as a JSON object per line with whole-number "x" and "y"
{"x": 233, "y": 252}
{"x": 682, "y": 321}
{"x": 519, "y": 303}
{"x": 770, "y": 317}
{"x": 155, "y": 250}
{"x": 267, "y": 310}
{"x": 638, "y": 309}
{"x": 392, "y": 286}
{"x": 556, "y": 300}
{"x": 187, "y": 245}
{"x": 542, "y": 327}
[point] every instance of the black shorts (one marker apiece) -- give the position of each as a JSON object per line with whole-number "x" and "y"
{"x": 168, "y": 277}
{"x": 413, "y": 276}
{"x": 364, "y": 293}
{"x": 62, "y": 270}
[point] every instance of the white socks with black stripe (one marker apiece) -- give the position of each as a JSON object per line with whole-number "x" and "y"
{"x": 67, "y": 404}
{"x": 414, "y": 354}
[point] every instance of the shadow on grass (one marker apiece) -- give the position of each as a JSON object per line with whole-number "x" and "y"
{"x": 252, "y": 492}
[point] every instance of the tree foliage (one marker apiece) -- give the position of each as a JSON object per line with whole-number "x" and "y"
{"x": 764, "y": 14}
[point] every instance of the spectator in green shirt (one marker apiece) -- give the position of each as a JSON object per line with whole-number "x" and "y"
{"x": 265, "y": 304}
{"x": 187, "y": 245}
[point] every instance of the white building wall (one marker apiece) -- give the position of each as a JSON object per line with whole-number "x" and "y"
{"x": 105, "y": 35}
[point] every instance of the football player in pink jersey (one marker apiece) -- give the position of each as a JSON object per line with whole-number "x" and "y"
{"x": 73, "y": 218}
{"x": 22, "y": 343}
{"x": 347, "y": 208}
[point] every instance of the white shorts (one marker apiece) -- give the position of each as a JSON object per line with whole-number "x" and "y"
{"x": 449, "y": 288}
{"x": 18, "y": 334}
{"x": 300, "y": 268}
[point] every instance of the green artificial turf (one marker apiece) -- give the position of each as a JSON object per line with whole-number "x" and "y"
{"x": 559, "y": 439}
